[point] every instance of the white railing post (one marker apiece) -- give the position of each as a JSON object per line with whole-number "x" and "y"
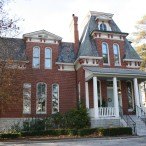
{"x": 95, "y": 96}
{"x": 136, "y": 93}
{"x": 106, "y": 111}
{"x": 116, "y": 102}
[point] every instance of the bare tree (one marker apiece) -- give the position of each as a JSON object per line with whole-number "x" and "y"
{"x": 7, "y": 25}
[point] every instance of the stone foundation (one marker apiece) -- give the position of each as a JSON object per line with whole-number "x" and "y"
{"x": 7, "y": 123}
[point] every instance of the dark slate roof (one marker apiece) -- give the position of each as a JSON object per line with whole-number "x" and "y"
{"x": 114, "y": 26}
{"x": 130, "y": 52}
{"x": 116, "y": 71}
{"x": 12, "y": 48}
{"x": 88, "y": 46}
{"x": 66, "y": 53}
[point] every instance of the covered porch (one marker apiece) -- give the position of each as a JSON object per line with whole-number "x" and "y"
{"x": 111, "y": 91}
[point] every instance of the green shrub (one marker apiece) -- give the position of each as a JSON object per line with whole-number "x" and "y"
{"x": 9, "y": 135}
{"x": 34, "y": 124}
{"x": 77, "y": 119}
{"x": 87, "y": 131}
{"x": 115, "y": 131}
{"x": 55, "y": 121}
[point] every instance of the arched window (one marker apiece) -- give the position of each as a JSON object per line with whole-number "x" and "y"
{"x": 105, "y": 53}
{"x": 55, "y": 98}
{"x": 103, "y": 26}
{"x": 130, "y": 96}
{"x": 41, "y": 96}
{"x": 48, "y": 58}
{"x": 26, "y": 98}
{"x": 36, "y": 57}
{"x": 116, "y": 52}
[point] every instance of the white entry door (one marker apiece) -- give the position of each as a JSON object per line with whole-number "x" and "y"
{"x": 110, "y": 98}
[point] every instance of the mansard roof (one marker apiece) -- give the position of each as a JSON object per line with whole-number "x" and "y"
{"x": 87, "y": 44}
{"x": 130, "y": 52}
{"x": 66, "y": 53}
{"x": 13, "y": 48}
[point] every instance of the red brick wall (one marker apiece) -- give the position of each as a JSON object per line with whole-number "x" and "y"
{"x": 103, "y": 92}
{"x": 124, "y": 97}
{"x": 91, "y": 102}
{"x": 65, "y": 79}
{"x": 81, "y": 79}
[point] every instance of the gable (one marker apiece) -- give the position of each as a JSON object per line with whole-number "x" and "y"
{"x": 42, "y": 34}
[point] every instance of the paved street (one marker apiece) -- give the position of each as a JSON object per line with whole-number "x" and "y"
{"x": 137, "y": 141}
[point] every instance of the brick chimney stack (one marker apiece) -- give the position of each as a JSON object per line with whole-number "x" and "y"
{"x": 76, "y": 34}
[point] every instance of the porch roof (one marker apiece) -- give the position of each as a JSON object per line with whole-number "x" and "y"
{"x": 117, "y": 72}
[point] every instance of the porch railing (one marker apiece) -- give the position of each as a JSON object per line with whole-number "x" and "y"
{"x": 106, "y": 111}
{"x": 129, "y": 121}
{"x": 141, "y": 113}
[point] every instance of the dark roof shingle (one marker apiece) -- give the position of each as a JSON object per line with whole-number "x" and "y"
{"x": 66, "y": 53}
{"x": 13, "y": 48}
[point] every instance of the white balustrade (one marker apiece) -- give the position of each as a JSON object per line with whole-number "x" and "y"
{"x": 106, "y": 111}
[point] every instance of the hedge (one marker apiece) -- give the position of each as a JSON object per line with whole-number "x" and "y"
{"x": 9, "y": 135}
{"x": 80, "y": 132}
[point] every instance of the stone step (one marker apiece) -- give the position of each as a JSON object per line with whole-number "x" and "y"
{"x": 140, "y": 126}
{"x": 105, "y": 123}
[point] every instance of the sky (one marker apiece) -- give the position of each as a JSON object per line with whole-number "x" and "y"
{"x": 55, "y": 16}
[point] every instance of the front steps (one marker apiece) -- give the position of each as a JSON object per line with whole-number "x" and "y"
{"x": 140, "y": 125}
{"x": 105, "y": 122}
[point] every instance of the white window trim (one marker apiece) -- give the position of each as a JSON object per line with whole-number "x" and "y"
{"x": 48, "y": 58}
{"x": 30, "y": 100}
{"x": 119, "y": 55}
{"x": 37, "y": 98}
{"x": 108, "y": 54}
{"x": 52, "y": 97}
{"x": 33, "y": 57}
{"x": 130, "y": 110}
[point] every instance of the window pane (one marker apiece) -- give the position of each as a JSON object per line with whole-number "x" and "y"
{"x": 55, "y": 88}
{"x": 105, "y": 53}
{"x": 36, "y": 62}
{"x": 36, "y": 52}
{"x": 41, "y": 98}
{"x": 47, "y": 63}
{"x": 130, "y": 95}
{"x": 104, "y": 49}
{"x": 55, "y": 98}
{"x": 47, "y": 53}
{"x": 116, "y": 54}
{"x": 116, "y": 50}
{"x": 26, "y": 98}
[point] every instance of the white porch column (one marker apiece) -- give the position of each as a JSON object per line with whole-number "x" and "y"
{"x": 87, "y": 95}
{"x": 95, "y": 96}
{"x": 116, "y": 102}
{"x": 136, "y": 92}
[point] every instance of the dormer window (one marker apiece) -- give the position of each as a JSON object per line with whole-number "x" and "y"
{"x": 103, "y": 26}
{"x": 116, "y": 52}
{"x": 105, "y": 53}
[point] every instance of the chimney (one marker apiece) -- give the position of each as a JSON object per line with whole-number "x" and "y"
{"x": 76, "y": 34}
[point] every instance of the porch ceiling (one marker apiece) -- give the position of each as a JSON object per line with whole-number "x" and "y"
{"x": 118, "y": 72}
